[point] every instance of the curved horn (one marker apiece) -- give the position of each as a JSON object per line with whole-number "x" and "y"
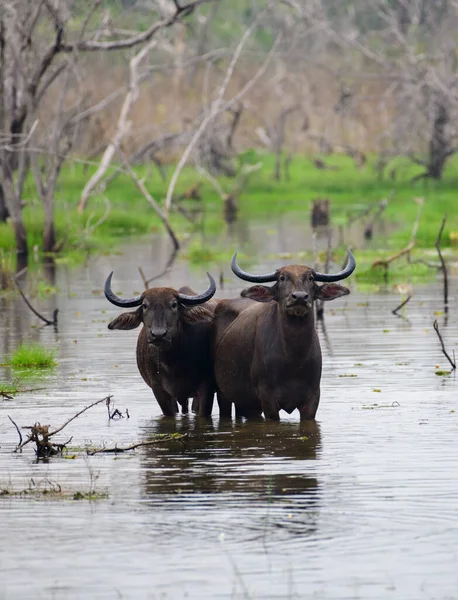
{"x": 247, "y": 277}
{"x": 116, "y": 300}
{"x": 200, "y": 298}
{"x": 351, "y": 264}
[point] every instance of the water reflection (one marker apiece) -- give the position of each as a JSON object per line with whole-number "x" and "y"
{"x": 252, "y": 459}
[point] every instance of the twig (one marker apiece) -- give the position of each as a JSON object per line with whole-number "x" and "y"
{"x": 387, "y": 261}
{"x": 17, "y": 429}
{"x": 444, "y": 266}
{"x": 38, "y": 429}
{"x": 35, "y": 312}
{"x": 395, "y": 311}
{"x": 78, "y": 414}
{"x": 436, "y": 329}
{"x": 116, "y": 449}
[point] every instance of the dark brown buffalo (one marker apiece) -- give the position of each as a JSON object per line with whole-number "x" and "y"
{"x": 267, "y": 355}
{"x": 173, "y": 347}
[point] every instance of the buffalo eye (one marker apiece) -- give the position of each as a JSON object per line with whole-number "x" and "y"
{"x": 311, "y": 278}
{"x": 144, "y": 306}
{"x": 174, "y": 304}
{"x": 282, "y": 277}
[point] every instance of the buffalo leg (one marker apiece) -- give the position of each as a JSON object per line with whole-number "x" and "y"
{"x": 167, "y": 404}
{"x": 184, "y": 405}
{"x": 204, "y": 399}
{"x": 308, "y": 409}
{"x": 225, "y": 406}
{"x": 195, "y": 404}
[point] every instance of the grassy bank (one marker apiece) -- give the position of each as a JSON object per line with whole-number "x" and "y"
{"x": 348, "y": 189}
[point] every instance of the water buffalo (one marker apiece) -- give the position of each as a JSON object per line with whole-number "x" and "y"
{"x": 267, "y": 356}
{"x": 173, "y": 347}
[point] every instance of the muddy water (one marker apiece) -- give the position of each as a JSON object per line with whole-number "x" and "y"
{"x": 362, "y": 504}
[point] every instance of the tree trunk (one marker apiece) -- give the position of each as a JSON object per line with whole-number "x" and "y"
{"x": 49, "y": 231}
{"x": 439, "y": 148}
{"x": 13, "y": 205}
{"x": 4, "y": 214}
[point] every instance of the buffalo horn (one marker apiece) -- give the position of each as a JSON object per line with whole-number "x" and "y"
{"x": 253, "y": 278}
{"x": 351, "y": 264}
{"x": 199, "y": 298}
{"x": 116, "y": 300}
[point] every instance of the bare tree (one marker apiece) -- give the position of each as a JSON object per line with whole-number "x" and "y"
{"x": 31, "y": 66}
{"x": 409, "y": 47}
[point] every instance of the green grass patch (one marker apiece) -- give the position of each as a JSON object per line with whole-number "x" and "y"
{"x": 264, "y": 199}
{"x": 32, "y": 356}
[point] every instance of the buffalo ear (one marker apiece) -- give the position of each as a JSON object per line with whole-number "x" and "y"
{"x": 197, "y": 314}
{"x": 330, "y": 291}
{"x": 260, "y": 293}
{"x": 129, "y": 320}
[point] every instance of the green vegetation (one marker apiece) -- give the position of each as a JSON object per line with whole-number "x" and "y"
{"x": 349, "y": 190}
{"x": 32, "y": 356}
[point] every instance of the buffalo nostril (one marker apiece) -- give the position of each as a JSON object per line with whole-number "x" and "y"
{"x": 299, "y": 295}
{"x": 158, "y": 334}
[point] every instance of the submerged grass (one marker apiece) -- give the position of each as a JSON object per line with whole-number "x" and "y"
{"x": 32, "y": 356}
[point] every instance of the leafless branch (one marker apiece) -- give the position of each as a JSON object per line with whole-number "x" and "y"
{"x": 160, "y": 213}
{"x": 387, "y": 261}
{"x": 219, "y": 106}
{"x": 17, "y": 429}
{"x": 441, "y": 258}
{"x": 159, "y": 440}
{"x": 35, "y": 312}
{"x": 444, "y": 351}
{"x": 403, "y": 303}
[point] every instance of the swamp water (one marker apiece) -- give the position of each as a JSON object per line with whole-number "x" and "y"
{"x": 362, "y": 504}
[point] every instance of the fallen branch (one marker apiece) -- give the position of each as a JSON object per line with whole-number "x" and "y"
{"x": 35, "y": 312}
{"x": 452, "y": 362}
{"x": 17, "y": 429}
{"x": 40, "y": 434}
{"x": 160, "y": 213}
{"x": 387, "y": 261}
{"x": 116, "y": 414}
{"x": 441, "y": 258}
{"x": 403, "y": 303}
{"x": 117, "y": 450}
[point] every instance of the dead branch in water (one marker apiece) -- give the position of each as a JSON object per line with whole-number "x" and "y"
{"x": 41, "y": 435}
{"x": 441, "y": 258}
{"x": 35, "y": 312}
{"x": 403, "y": 303}
{"x": 116, "y": 414}
{"x": 17, "y": 429}
{"x": 452, "y": 362}
{"x": 117, "y": 450}
{"x": 387, "y": 261}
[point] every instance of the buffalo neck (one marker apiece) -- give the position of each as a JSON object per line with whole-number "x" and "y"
{"x": 296, "y": 333}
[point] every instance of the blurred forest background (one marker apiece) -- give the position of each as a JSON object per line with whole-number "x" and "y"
{"x": 148, "y": 89}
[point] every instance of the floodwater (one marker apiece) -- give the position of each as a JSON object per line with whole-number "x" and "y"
{"x": 361, "y": 504}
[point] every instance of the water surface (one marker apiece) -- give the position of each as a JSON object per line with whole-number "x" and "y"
{"x": 361, "y": 504}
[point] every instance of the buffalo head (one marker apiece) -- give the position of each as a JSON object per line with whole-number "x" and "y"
{"x": 295, "y": 286}
{"x": 161, "y": 310}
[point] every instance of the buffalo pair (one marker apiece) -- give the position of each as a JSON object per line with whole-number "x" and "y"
{"x": 259, "y": 351}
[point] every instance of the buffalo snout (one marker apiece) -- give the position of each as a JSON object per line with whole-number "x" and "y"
{"x": 157, "y": 336}
{"x": 300, "y": 296}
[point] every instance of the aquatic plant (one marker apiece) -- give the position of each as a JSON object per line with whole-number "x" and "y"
{"x": 30, "y": 355}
